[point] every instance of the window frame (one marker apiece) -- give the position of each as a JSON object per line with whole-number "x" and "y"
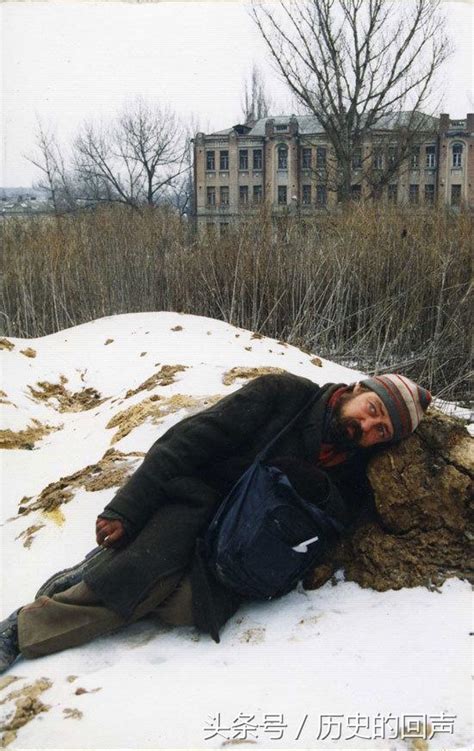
{"x": 282, "y": 163}
{"x": 306, "y": 157}
{"x": 457, "y": 155}
{"x": 243, "y": 159}
{"x": 210, "y": 154}
{"x": 254, "y": 159}
{"x": 224, "y": 160}
{"x": 306, "y": 196}
{"x": 321, "y": 157}
{"x": 211, "y": 190}
{"x": 243, "y": 191}
{"x": 430, "y": 156}
{"x": 222, "y": 189}
{"x": 281, "y": 202}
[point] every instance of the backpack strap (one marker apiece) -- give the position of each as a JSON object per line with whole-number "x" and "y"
{"x": 264, "y": 452}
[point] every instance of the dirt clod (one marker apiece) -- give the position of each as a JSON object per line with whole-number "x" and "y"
{"x": 28, "y": 352}
{"x": 155, "y": 408}
{"x": 316, "y": 361}
{"x": 234, "y": 373}
{"x": 111, "y": 471}
{"x": 6, "y": 344}
{"x": 26, "y": 439}
{"x": 108, "y": 341}
{"x": 27, "y": 706}
{"x": 63, "y": 400}
{"x": 164, "y": 377}
{"x": 71, "y": 713}
{"x": 28, "y": 535}
{"x": 177, "y": 328}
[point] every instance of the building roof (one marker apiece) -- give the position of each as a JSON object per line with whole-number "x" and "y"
{"x": 309, "y": 124}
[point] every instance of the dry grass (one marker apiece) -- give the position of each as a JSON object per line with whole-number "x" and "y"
{"x": 25, "y": 439}
{"x": 155, "y": 408}
{"x": 232, "y": 375}
{"x": 64, "y": 400}
{"x": 164, "y": 377}
{"x": 377, "y": 286}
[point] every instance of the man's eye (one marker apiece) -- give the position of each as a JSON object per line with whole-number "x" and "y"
{"x": 372, "y": 409}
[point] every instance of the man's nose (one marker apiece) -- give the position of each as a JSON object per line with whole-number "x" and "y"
{"x": 367, "y": 423}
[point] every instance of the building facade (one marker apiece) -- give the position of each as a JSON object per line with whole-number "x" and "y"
{"x": 287, "y": 163}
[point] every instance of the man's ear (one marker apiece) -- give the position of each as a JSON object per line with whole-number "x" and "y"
{"x": 357, "y": 388}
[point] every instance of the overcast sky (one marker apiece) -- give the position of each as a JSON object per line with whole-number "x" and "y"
{"x": 65, "y": 62}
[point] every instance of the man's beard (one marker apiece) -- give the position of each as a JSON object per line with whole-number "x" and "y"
{"x": 340, "y": 428}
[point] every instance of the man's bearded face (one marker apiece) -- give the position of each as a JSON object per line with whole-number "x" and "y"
{"x": 360, "y": 420}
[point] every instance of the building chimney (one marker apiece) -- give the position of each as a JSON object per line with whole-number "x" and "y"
{"x": 443, "y": 122}
{"x": 470, "y": 122}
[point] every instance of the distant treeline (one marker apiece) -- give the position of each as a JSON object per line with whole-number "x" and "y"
{"x": 374, "y": 286}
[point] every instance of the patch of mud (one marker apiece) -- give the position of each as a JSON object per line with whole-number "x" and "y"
{"x": 108, "y": 341}
{"x": 234, "y": 373}
{"x": 28, "y": 535}
{"x": 26, "y": 439}
{"x": 80, "y": 690}
{"x": 71, "y": 713}
{"x": 155, "y": 408}
{"x": 28, "y": 352}
{"x": 254, "y": 635}
{"x": 256, "y": 335}
{"x": 27, "y": 706}
{"x": 6, "y": 344}
{"x": 164, "y": 377}
{"x": 111, "y": 471}
{"x": 58, "y": 397}
{"x": 142, "y": 354}
{"x": 316, "y": 361}
{"x": 177, "y": 328}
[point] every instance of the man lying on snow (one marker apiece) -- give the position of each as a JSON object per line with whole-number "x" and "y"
{"x": 164, "y": 549}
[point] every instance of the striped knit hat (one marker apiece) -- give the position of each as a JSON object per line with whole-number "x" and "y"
{"x": 405, "y": 401}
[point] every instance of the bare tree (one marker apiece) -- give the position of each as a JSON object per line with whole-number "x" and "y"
{"x": 365, "y": 69}
{"x": 56, "y": 179}
{"x": 135, "y": 160}
{"x": 256, "y": 102}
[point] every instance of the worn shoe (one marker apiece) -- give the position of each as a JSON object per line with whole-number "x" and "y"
{"x": 9, "y": 649}
{"x": 68, "y": 576}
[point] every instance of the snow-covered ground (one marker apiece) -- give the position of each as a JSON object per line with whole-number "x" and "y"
{"x": 339, "y": 667}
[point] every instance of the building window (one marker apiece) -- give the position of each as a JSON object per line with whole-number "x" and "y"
{"x": 224, "y": 160}
{"x": 282, "y": 157}
{"x": 457, "y": 155}
{"x": 224, "y": 195}
{"x": 392, "y": 193}
{"x": 392, "y": 155}
{"x": 257, "y": 194}
{"x": 455, "y": 195}
{"x": 210, "y": 161}
{"x": 414, "y": 194}
{"x": 306, "y": 194}
{"x": 211, "y": 196}
{"x": 357, "y": 158}
{"x": 431, "y": 157}
{"x": 282, "y": 195}
{"x": 243, "y": 159}
{"x": 281, "y": 127}
{"x": 321, "y": 157}
{"x": 429, "y": 194}
{"x": 415, "y": 157}
{"x": 321, "y": 195}
{"x": 356, "y": 192}
{"x": 306, "y": 158}
{"x": 257, "y": 159}
{"x": 378, "y": 159}
{"x": 243, "y": 194}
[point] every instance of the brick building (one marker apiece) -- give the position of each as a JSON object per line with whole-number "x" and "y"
{"x": 286, "y": 162}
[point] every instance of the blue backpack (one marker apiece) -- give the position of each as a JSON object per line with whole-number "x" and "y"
{"x": 265, "y": 536}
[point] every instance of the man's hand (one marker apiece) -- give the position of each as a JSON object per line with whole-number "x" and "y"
{"x": 108, "y": 532}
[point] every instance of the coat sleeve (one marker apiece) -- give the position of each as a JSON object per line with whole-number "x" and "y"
{"x": 213, "y": 434}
